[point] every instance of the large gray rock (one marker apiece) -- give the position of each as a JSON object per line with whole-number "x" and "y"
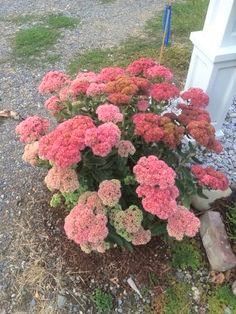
{"x": 216, "y": 243}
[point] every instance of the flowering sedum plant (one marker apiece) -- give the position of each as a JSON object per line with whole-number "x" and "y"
{"x": 123, "y": 155}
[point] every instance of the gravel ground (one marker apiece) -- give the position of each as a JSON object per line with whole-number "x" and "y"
{"x": 102, "y": 25}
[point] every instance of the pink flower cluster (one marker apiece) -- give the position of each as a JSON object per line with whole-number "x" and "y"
{"x": 103, "y": 138}
{"x": 63, "y": 145}
{"x": 31, "y": 153}
{"x": 164, "y": 91}
{"x": 125, "y": 148}
{"x": 157, "y": 186}
{"x": 147, "y": 126}
{"x": 109, "y": 113}
{"x": 140, "y": 66}
{"x": 53, "y": 105}
{"x": 78, "y": 87}
{"x": 109, "y": 192}
{"x": 142, "y": 105}
{"x": 159, "y": 202}
{"x": 181, "y": 223}
{"x": 95, "y": 89}
{"x": 93, "y": 201}
{"x": 90, "y": 77}
{"x": 110, "y": 74}
{"x": 32, "y": 129}
{"x": 196, "y": 96}
{"x": 141, "y": 237}
{"x": 84, "y": 227}
{"x": 159, "y": 71}
{"x": 62, "y": 179}
{"x": 53, "y": 81}
{"x": 154, "y": 172}
{"x": 210, "y": 177}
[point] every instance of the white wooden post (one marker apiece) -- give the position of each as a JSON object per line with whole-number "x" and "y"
{"x": 213, "y": 61}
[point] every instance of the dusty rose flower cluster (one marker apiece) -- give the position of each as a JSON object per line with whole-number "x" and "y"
{"x": 109, "y": 192}
{"x": 103, "y": 138}
{"x": 109, "y": 113}
{"x": 182, "y": 223}
{"x": 64, "y": 144}
{"x": 211, "y": 178}
{"x": 84, "y": 227}
{"x": 119, "y": 156}
{"x": 31, "y": 153}
{"x": 196, "y": 96}
{"x": 62, "y": 179}
{"x": 157, "y": 186}
{"x": 32, "y": 129}
{"x": 164, "y": 91}
{"x": 53, "y": 81}
{"x": 125, "y": 148}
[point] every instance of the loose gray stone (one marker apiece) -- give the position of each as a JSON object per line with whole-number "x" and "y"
{"x": 216, "y": 243}
{"x": 61, "y": 301}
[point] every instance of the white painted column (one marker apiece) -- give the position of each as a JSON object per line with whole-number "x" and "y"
{"x": 213, "y": 61}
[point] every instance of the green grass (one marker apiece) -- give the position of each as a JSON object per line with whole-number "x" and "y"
{"x": 177, "y": 300}
{"x": 231, "y": 221}
{"x": 102, "y": 301}
{"x": 187, "y": 16}
{"x": 186, "y": 255}
{"x": 61, "y": 21}
{"x": 33, "y": 41}
{"x": 221, "y": 298}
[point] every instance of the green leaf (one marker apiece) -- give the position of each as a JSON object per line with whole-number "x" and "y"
{"x": 158, "y": 229}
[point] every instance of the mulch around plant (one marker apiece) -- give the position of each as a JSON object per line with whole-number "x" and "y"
{"x": 116, "y": 265}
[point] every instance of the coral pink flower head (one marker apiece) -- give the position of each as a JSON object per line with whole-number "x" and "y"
{"x": 109, "y": 113}
{"x": 197, "y": 97}
{"x": 164, "y": 91}
{"x": 109, "y": 192}
{"x": 147, "y": 126}
{"x": 182, "y": 223}
{"x": 31, "y": 153}
{"x": 210, "y": 177}
{"x": 63, "y": 145}
{"x": 62, "y": 179}
{"x": 53, "y": 105}
{"x": 139, "y": 66}
{"x": 142, "y": 105}
{"x": 110, "y": 74}
{"x": 78, "y": 87}
{"x": 84, "y": 227}
{"x": 158, "y": 202}
{"x": 32, "y": 129}
{"x": 95, "y": 89}
{"x": 159, "y": 71}
{"x": 154, "y": 172}
{"x": 90, "y": 77}
{"x": 103, "y": 138}
{"x": 53, "y": 81}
